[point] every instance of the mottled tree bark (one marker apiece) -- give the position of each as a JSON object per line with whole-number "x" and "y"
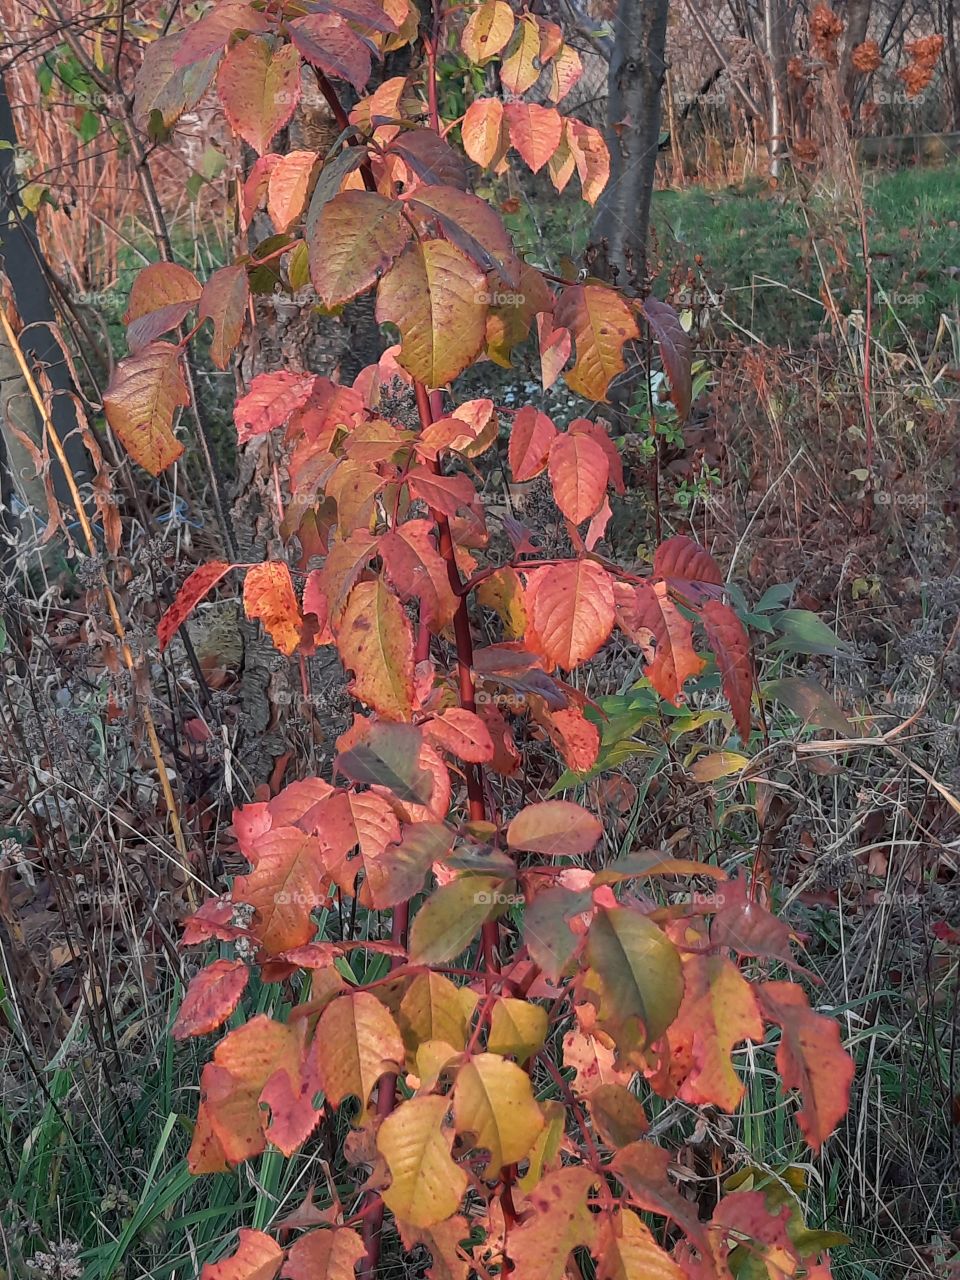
{"x": 637, "y": 71}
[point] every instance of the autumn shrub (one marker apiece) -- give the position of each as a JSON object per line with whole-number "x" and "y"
{"x": 536, "y": 994}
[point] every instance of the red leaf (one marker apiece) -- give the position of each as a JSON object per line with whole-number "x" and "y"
{"x": 224, "y": 301}
{"x": 271, "y": 400}
{"x": 257, "y": 1258}
{"x": 447, "y": 494}
{"x": 259, "y": 88}
{"x": 326, "y": 41}
{"x": 212, "y": 32}
{"x": 675, "y": 351}
{"x": 212, "y": 996}
{"x": 687, "y": 567}
{"x": 731, "y": 644}
{"x": 579, "y": 470}
{"x": 811, "y": 1058}
{"x": 647, "y": 608}
{"x": 531, "y": 436}
{"x": 432, "y": 159}
{"x": 418, "y": 572}
{"x": 203, "y": 579}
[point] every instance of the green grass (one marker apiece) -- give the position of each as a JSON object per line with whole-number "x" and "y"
{"x": 762, "y": 250}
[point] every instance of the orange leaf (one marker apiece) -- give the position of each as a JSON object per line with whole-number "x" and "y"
{"x": 324, "y": 1255}
{"x": 811, "y": 1058}
{"x": 144, "y": 393}
{"x": 375, "y": 640}
{"x": 571, "y": 606}
{"x": 601, "y": 322}
{"x": 731, "y": 645}
{"x": 268, "y": 594}
{"x": 555, "y": 347}
{"x": 642, "y": 1168}
{"x": 257, "y": 1257}
{"x": 564, "y": 73}
{"x": 484, "y": 136}
{"x": 573, "y": 735}
{"x": 347, "y": 820}
{"x": 579, "y": 470}
{"x": 555, "y": 828}
{"x": 287, "y": 187}
{"x": 718, "y": 1011}
{"x": 356, "y": 1042}
{"x": 285, "y": 885}
{"x": 344, "y": 565}
{"x": 259, "y": 87}
{"x": 559, "y": 1222}
{"x": 161, "y": 296}
{"x": 462, "y": 733}
{"x": 262, "y": 1061}
{"x": 626, "y": 1250}
{"x": 531, "y": 436}
{"x": 203, "y": 579}
{"x": 212, "y": 996}
{"x": 535, "y": 131}
{"x": 591, "y": 156}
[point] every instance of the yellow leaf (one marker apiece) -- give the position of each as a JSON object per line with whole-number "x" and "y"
{"x": 438, "y": 300}
{"x": 628, "y": 1251}
{"x": 426, "y": 1184}
{"x": 517, "y": 1028}
{"x": 375, "y": 641}
{"x": 493, "y": 1100}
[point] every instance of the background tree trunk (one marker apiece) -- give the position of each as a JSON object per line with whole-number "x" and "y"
{"x": 23, "y": 264}
{"x": 637, "y": 71}
{"x": 857, "y": 16}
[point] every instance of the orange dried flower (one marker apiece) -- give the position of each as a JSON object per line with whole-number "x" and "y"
{"x": 924, "y": 55}
{"x": 798, "y": 69}
{"x": 866, "y": 57}
{"x": 806, "y": 151}
{"x": 826, "y": 28}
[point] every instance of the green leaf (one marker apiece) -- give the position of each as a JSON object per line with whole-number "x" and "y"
{"x": 448, "y": 921}
{"x": 638, "y": 968}
{"x": 803, "y": 632}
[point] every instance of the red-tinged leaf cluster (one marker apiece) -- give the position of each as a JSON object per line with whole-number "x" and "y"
{"x": 523, "y": 939}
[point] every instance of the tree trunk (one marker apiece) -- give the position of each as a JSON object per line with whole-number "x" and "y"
{"x": 637, "y": 70}
{"x": 23, "y": 265}
{"x": 857, "y": 17}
